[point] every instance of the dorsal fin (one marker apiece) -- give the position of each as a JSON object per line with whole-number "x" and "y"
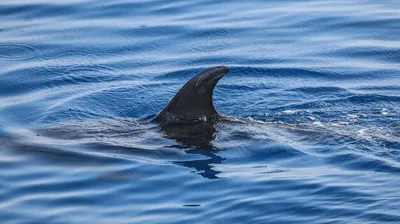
{"x": 194, "y": 100}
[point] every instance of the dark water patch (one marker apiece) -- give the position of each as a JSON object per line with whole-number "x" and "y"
{"x": 381, "y": 216}
{"x": 9, "y": 9}
{"x": 56, "y": 154}
{"x": 191, "y": 205}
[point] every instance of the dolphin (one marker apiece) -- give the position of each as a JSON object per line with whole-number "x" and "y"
{"x": 193, "y": 102}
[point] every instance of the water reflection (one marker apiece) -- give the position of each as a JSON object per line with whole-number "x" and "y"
{"x": 204, "y": 167}
{"x": 120, "y": 139}
{"x": 196, "y": 138}
{"x": 199, "y": 134}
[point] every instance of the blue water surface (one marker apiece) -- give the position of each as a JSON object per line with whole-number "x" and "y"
{"x": 312, "y": 96}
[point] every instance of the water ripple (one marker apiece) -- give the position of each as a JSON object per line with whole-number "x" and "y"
{"x": 17, "y": 52}
{"x": 311, "y": 125}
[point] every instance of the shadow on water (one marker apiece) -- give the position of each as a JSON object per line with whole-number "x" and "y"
{"x": 196, "y": 138}
{"x": 116, "y": 140}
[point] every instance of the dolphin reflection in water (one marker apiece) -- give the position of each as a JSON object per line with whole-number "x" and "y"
{"x": 190, "y": 119}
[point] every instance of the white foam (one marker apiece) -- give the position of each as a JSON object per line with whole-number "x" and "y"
{"x": 384, "y": 112}
{"x": 289, "y": 112}
{"x": 312, "y": 118}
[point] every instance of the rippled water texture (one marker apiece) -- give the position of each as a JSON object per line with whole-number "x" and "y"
{"x": 312, "y": 99}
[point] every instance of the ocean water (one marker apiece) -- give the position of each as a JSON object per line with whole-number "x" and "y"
{"x": 312, "y": 97}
